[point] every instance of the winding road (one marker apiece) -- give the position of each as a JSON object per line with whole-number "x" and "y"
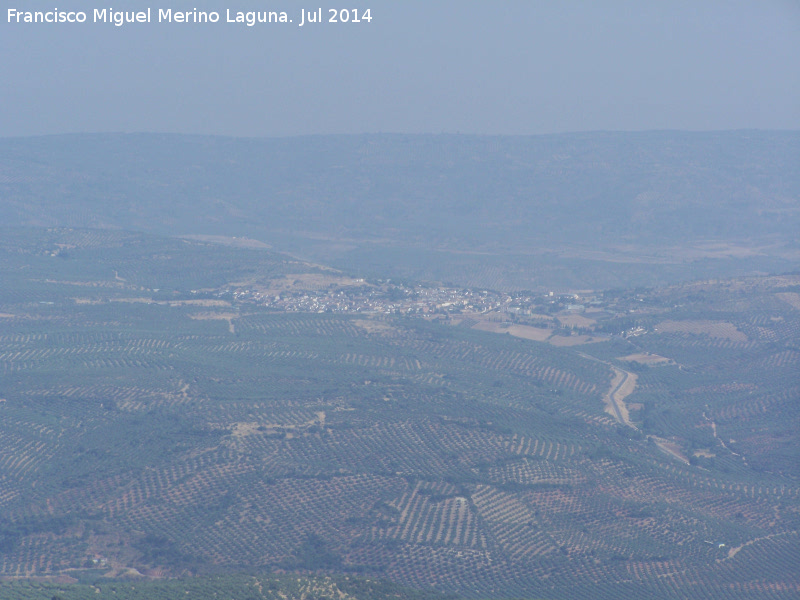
{"x": 622, "y": 386}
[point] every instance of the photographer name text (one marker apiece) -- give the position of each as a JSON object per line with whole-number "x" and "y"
{"x": 120, "y": 18}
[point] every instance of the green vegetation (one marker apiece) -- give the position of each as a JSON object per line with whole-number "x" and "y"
{"x": 221, "y": 587}
{"x": 171, "y": 443}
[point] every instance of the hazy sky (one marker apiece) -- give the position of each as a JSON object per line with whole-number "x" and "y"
{"x": 489, "y": 66}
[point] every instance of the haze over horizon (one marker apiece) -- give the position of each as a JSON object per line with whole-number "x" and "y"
{"x": 471, "y": 67}
{"x": 468, "y": 300}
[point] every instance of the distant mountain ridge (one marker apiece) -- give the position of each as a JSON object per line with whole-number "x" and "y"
{"x": 321, "y": 196}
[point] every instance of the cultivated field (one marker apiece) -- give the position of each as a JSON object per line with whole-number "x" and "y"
{"x": 172, "y": 437}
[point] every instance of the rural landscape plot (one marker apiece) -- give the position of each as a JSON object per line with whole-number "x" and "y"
{"x": 164, "y": 426}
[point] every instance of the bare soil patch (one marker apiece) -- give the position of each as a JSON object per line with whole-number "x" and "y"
{"x": 791, "y": 298}
{"x": 103, "y": 284}
{"x": 213, "y": 316}
{"x": 243, "y": 429}
{"x": 645, "y": 358}
{"x": 229, "y": 317}
{"x": 310, "y": 281}
{"x": 142, "y": 300}
{"x": 376, "y": 327}
{"x": 130, "y": 300}
{"x": 572, "y": 340}
{"x": 199, "y": 303}
{"x": 576, "y": 321}
{"x": 704, "y": 453}
{"x": 539, "y": 317}
{"x": 537, "y": 334}
{"x": 241, "y": 242}
{"x": 670, "y": 448}
{"x": 715, "y": 329}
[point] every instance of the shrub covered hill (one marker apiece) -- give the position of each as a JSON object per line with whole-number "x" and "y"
{"x": 177, "y": 418}
{"x": 572, "y": 211}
